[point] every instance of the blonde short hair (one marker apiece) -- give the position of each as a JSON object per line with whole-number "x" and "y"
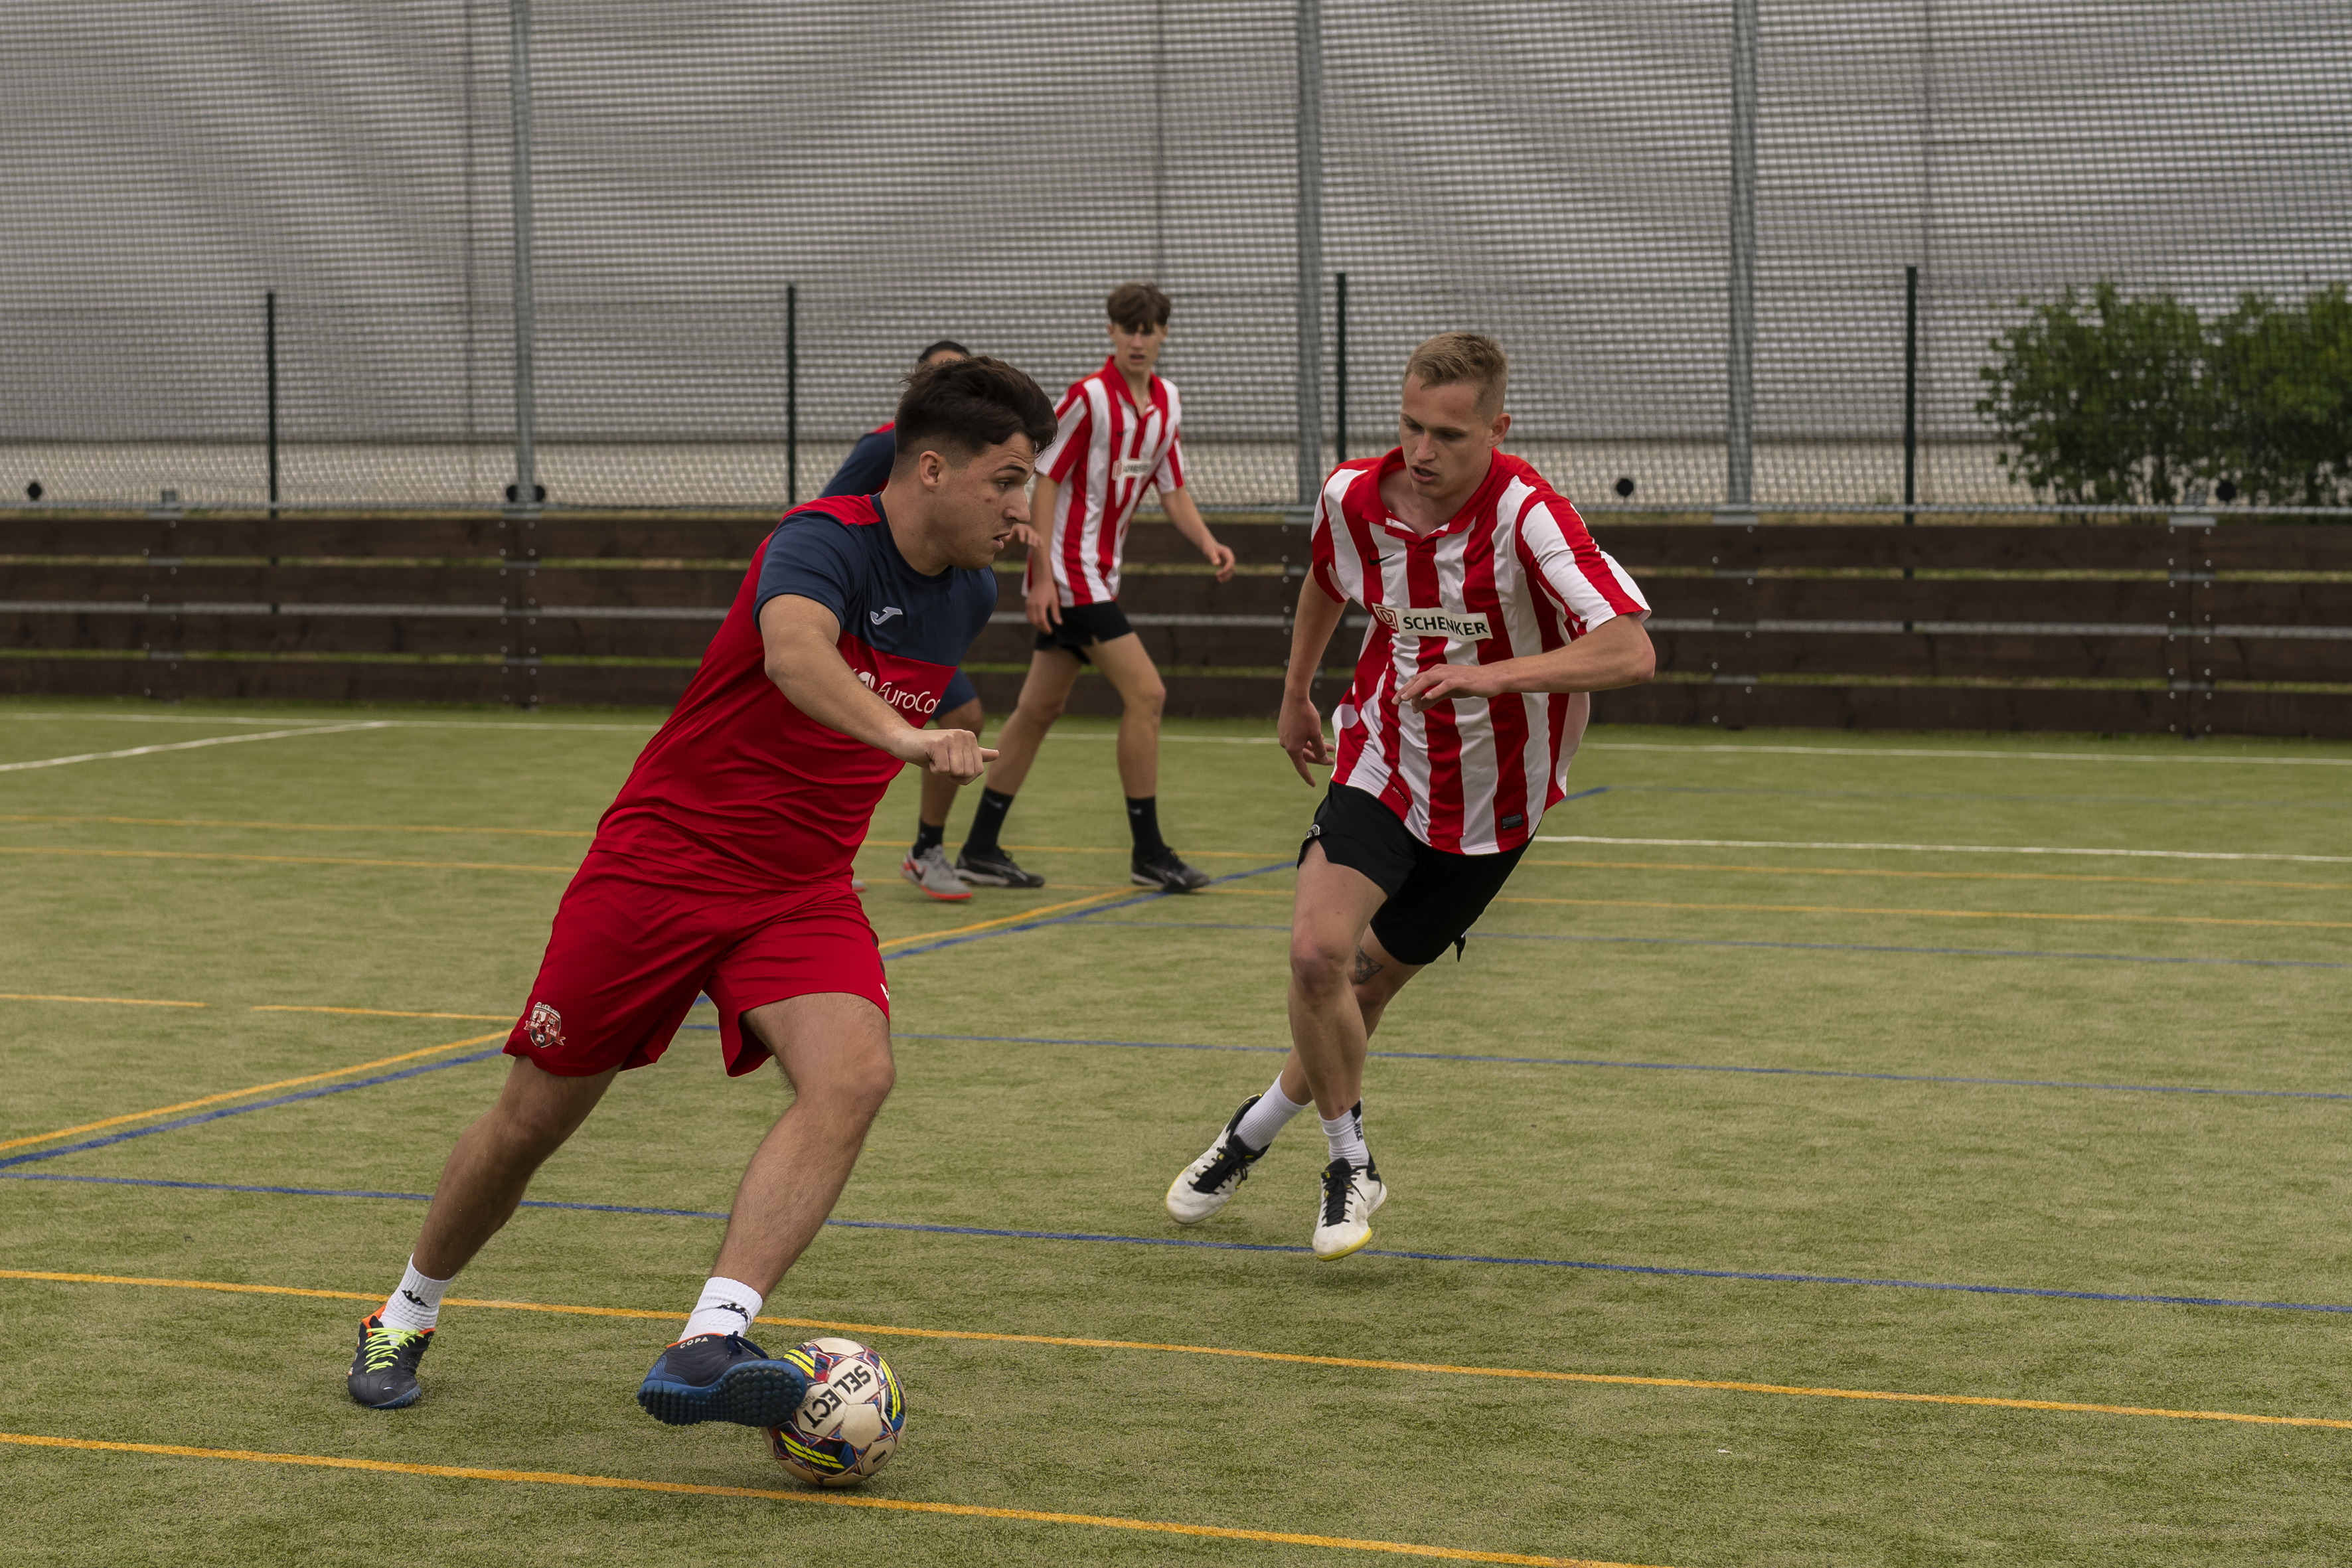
{"x": 1471, "y": 358}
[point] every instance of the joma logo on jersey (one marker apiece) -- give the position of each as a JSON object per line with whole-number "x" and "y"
{"x": 898, "y": 696}
{"x": 1419, "y": 623}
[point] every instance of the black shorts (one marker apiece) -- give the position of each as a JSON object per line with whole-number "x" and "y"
{"x": 1434, "y": 896}
{"x": 1083, "y": 625}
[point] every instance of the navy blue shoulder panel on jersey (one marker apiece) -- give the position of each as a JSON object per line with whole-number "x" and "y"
{"x": 853, "y": 569}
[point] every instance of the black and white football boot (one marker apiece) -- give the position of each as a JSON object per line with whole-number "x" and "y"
{"x": 994, "y": 868}
{"x": 1343, "y": 1221}
{"x": 1165, "y": 872}
{"x": 1205, "y": 1185}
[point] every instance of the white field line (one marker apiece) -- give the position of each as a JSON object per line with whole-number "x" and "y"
{"x": 191, "y": 745}
{"x": 1944, "y": 848}
{"x": 1997, "y": 756}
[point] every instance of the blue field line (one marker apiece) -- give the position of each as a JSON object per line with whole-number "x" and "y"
{"x": 1196, "y": 1244}
{"x": 242, "y": 1110}
{"x": 1588, "y": 794}
{"x": 1808, "y": 946}
{"x": 1674, "y": 1067}
{"x": 1127, "y": 903}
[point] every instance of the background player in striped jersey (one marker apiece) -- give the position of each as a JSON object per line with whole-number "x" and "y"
{"x": 1493, "y": 615}
{"x": 863, "y": 473}
{"x": 1119, "y": 433}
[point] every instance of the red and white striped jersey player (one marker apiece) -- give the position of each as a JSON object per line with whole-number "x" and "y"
{"x": 1493, "y": 615}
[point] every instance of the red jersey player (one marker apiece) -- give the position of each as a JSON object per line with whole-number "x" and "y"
{"x": 1493, "y": 615}
{"x": 723, "y": 867}
{"x": 1119, "y": 434}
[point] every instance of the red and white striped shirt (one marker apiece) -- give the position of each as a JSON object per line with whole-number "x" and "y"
{"x": 1103, "y": 456}
{"x": 1513, "y": 574}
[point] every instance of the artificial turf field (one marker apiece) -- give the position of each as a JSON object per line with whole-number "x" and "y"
{"x": 1704, "y": 1069}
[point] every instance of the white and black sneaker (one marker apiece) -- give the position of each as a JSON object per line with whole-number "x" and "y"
{"x": 994, "y": 868}
{"x": 1343, "y": 1223}
{"x": 1204, "y": 1186}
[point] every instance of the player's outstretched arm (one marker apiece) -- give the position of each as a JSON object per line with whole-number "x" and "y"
{"x": 1041, "y": 599}
{"x": 803, "y": 659}
{"x": 1615, "y": 653}
{"x": 1189, "y": 523}
{"x": 1299, "y": 729}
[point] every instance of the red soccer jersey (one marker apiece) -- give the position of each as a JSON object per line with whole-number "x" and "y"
{"x": 742, "y": 792}
{"x": 1513, "y": 572}
{"x": 1105, "y": 451}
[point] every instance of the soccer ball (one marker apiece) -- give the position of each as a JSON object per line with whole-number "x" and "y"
{"x": 849, "y": 1425}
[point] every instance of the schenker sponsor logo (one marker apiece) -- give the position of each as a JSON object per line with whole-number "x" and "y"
{"x": 1422, "y": 623}
{"x": 898, "y": 696}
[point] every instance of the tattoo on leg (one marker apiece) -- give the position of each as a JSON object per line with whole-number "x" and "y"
{"x": 1365, "y": 968}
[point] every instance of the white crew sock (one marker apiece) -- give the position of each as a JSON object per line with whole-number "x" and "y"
{"x": 727, "y": 1306}
{"x": 1270, "y": 1116}
{"x": 416, "y": 1305}
{"x": 1346, "y": 1132}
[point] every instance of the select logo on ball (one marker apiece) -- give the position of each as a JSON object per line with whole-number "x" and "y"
{"x": 850, "y": 1423}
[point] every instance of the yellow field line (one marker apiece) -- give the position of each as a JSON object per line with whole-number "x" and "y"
{"x": 282, "y": 859}
{"x": 1935, "y": 876}
{"x": 242, "y": 1093}
{"x": 1931, "y": 914}
{"x": 1009, "y": 919}
{"x": 115, "y": 1001}
{"x": 297, "y": 826}
{"x": 834, "y": 1500}
{"x": 382, "y": 1012}
{"x": 1356, "y": 1362}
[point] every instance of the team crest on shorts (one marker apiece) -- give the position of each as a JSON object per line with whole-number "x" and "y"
{"x": 545, "y": 1027}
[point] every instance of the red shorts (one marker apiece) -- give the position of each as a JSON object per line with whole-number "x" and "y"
{"x": 629, "y": 957}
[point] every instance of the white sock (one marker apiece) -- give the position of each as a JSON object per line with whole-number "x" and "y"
{"x": 727, "y": 1306}
{"x": 416, "y": 1305}
{"x": 1270, "y": 1116}
{"x": 1346, "y": 1132}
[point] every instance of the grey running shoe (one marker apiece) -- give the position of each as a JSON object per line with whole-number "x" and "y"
{"x": 930, "y": 872}
{"x": 1203, "y": 1187}
{"x": 384, "y": 1372}
{"x": 994, "y": 868}
{"x": 1167, "y": 873}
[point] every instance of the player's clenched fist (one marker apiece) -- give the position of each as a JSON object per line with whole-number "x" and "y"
{"x": 956, "y": 754}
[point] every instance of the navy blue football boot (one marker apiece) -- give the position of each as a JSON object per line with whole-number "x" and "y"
{"x": 724, "y": 1377}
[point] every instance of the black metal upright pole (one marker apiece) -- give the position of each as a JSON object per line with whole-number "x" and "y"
{"x": 1910, "y": 391}
{"x": 1339, "y": 364}
{"x": 792, "y": 395}
{"x": 269, "y": 375}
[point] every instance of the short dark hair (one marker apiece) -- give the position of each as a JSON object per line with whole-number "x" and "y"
{"x": 964, "y": 406}
{"x": 944, "y": 346}
{"x": 1136, "y": 306}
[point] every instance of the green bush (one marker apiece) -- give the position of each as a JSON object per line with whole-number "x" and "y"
{"x": 2282, "y": 430}
{"x": 2116, "y": 401}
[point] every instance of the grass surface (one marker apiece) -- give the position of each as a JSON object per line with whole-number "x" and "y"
{"x": 412, "y": 868}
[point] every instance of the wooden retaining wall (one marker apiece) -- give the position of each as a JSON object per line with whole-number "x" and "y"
{"x": 2149, "y": 629}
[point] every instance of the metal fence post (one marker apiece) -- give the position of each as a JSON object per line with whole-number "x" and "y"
{"x": 269, "y": 375}
{"x": 1910, "y": 392}
{"x": 792, "y": 395}
{"x": 525, "y": 495}
{"x": 1340, "y": 365}
{"x": 1310, "y": 153}
{"x": 1739, "y": 458}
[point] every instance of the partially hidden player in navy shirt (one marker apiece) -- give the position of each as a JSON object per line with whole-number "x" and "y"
{"x": 722, "y": 869}
{"x": 863, "y": 473}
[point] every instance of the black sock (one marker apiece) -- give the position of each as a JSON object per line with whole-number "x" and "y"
{"x": 987, "y": 821}
{"x": 929, "y": 837}
{"x": 1143, "y": 821}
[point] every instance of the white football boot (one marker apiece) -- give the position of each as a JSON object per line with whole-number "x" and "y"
{"x": 1343, "y": 1223}
{"x": 1203, "y": 1187}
